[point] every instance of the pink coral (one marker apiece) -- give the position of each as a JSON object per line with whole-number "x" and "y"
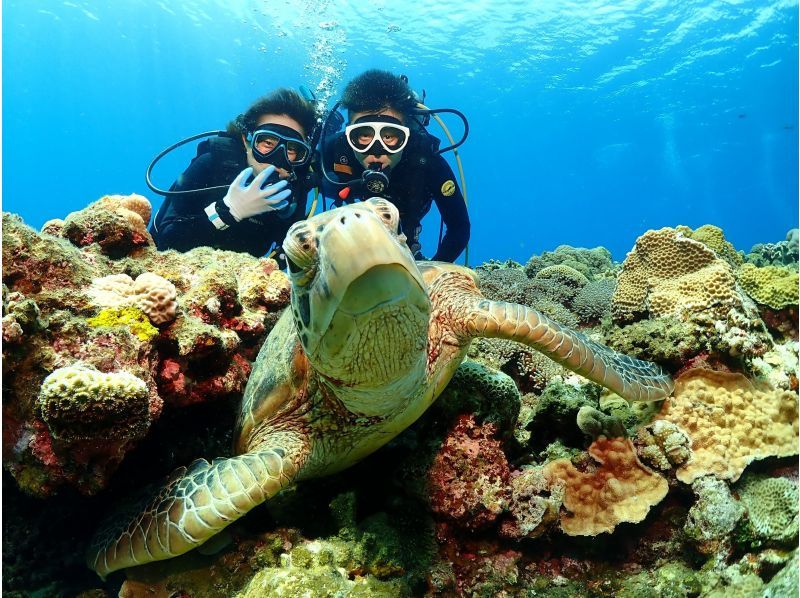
{"x": 469, "y": 477}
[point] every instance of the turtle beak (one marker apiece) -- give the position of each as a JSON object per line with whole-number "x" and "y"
{"x": 365, "y": 268}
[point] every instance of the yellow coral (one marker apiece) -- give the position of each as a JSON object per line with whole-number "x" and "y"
{"x": 153, "y": 294}
{"x": 620, "y": 489}
{"x": 264, "y": 284}
{"x": 772, "y": 286}
{"x": 713, "y": 237}
{"x": 132, "y": 318}
{"x": 670, "y": 275}
{"x": 563, "y": 274}
{"x": 128, "y": 206}
{"x": 731, "y": 421}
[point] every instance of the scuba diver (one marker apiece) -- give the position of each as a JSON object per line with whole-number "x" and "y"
{"x": 247, "y": 185}
{"x": 385, "y": 151}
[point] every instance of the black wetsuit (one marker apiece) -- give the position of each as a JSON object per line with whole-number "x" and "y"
{"x": 182, "y": 223}
{"x": 420, "y": 177}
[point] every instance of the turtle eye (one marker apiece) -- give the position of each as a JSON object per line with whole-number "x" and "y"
{"x": 300, "y": 247}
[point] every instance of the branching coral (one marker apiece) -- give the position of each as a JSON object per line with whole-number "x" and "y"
{"x": 731, "y": 422}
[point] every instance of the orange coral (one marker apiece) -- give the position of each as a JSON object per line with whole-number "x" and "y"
{"x": 731, "y": 422}
{"x": 620, "y": 489}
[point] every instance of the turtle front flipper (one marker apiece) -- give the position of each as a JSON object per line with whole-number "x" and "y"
{"x": 633, "y": 379}
{"x": 195, "y": 504}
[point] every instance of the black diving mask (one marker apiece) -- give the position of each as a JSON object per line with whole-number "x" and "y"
{"x": 376, "y": 135}
{"x": 279, "y": 145}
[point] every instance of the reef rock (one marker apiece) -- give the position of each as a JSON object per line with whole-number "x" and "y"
{"x": 102, "y": 333}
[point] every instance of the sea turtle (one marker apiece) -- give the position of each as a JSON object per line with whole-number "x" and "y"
{"x": 371, "y": 339}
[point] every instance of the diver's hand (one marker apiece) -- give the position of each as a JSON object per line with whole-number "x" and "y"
{"x": 245, "y": 201}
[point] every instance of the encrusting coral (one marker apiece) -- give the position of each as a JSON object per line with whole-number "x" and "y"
{"x": 670, "y": 275}
{"x": 151, "y": 293}
{"x": 94, "y": 293}
{"x": 731, "y": 422}
{"x": 618, "y": 489}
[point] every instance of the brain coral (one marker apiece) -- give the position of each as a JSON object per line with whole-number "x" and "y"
{"x": 153, "y": 294}
{"x": 619, "y": 489}
{"x": 731, "y": 421}
{"x": 670, "y": 275}
{"x": 771, "y": 508}
{"x": 772, "y": 286}
{"x": 79, "y": 403}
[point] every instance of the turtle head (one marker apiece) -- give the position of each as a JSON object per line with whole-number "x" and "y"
{"x": 359, "y": 301}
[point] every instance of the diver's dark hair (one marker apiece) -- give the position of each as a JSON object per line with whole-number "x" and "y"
{"x": 376, "y": 90}
{"x": 281, "y": 101}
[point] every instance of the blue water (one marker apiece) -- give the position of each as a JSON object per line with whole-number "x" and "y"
{"x": 591, "y": 122}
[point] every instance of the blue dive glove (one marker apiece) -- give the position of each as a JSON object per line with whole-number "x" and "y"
{"x": 258, "y": 197}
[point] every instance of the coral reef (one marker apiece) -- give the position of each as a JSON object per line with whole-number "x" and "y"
{"x": 495, "y": 491}
{"x": 90, "y": 302}
{"x": 619, "y": 489}
{"x": 731, "y": 422}
{"x": 782, "y": 253}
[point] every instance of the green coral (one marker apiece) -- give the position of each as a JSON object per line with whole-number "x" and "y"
{"x": 564, "y": 274}
{"x": 132, "y": 318}
{"x": 772, "y": 513}
{"x": 594, "y": 423}
{"x": 673, "y": 580}
{"x": 712, "y": 237}
{"x": 773, "y": 286}
{"x": 491, "y": 395}
{"x": 589, "y": 262}
{"x": 661, "y": 340}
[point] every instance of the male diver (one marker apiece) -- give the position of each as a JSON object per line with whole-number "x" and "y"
{"x": 385, "y": 151}
{"x": 247, "y": 185}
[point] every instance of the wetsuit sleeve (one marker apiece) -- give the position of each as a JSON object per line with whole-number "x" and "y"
{"x": 445, "y": 192}
{"x": 185, "y": 224}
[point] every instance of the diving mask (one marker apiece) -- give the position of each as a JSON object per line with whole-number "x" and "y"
{"x": 267, "y": 141}
{"x": 377, "y": 135}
